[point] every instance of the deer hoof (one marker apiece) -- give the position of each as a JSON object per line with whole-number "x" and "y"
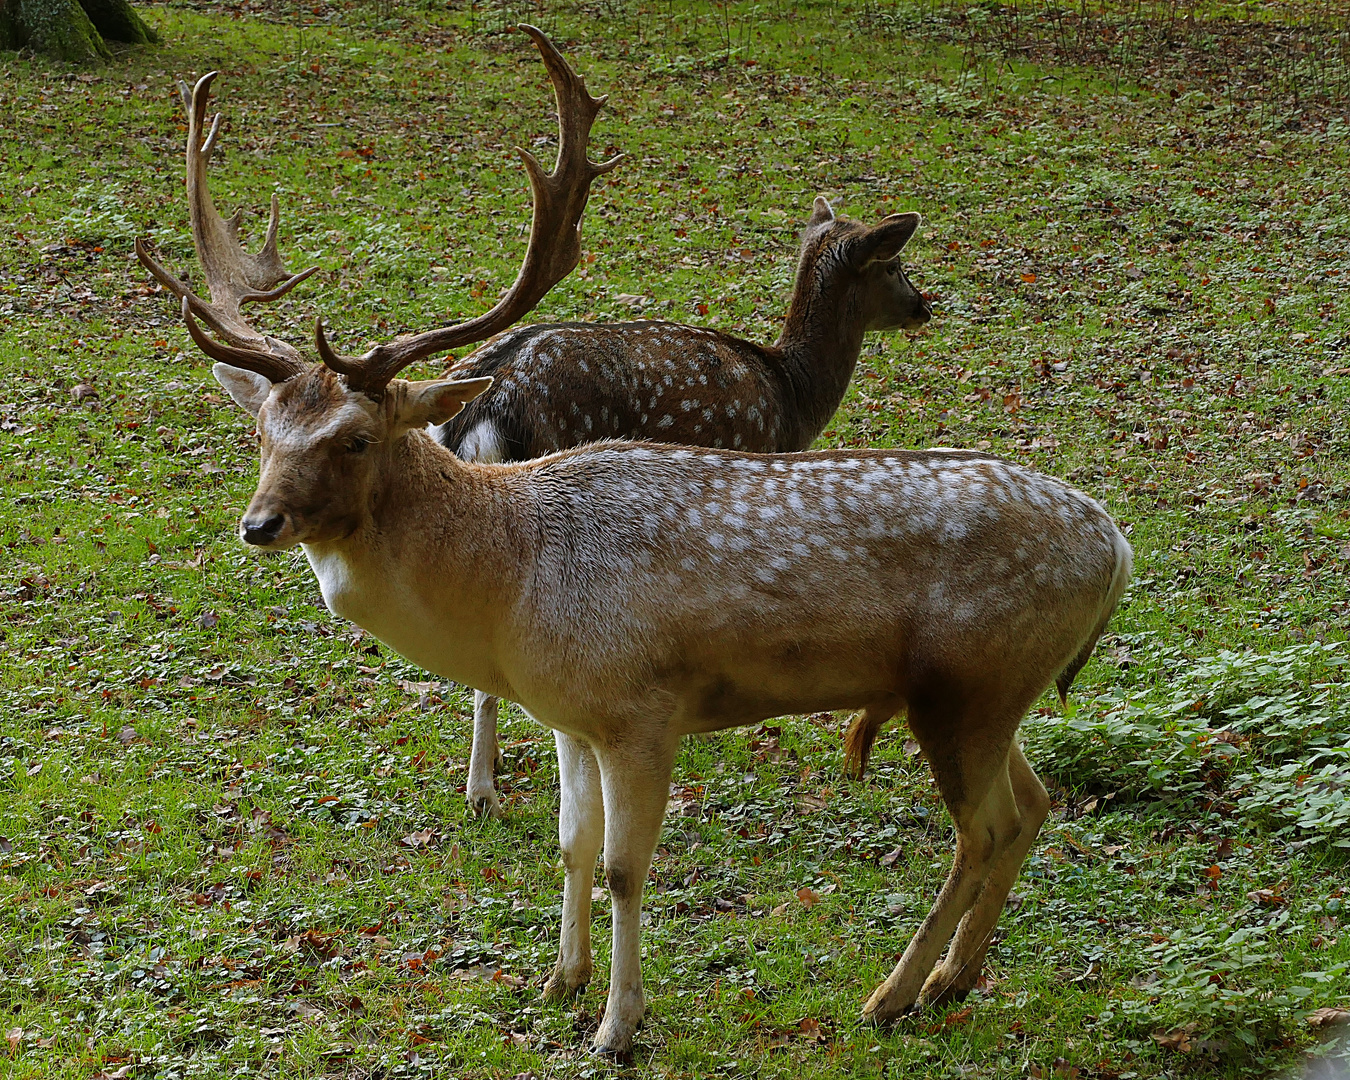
{"x": 885, "y": 1006}
{"x": 484, "y": 804}
{"x": 615, "y": 1057}
{"x": 942, "y": 990}
{"x": 612, "y": 1042}
{"x": 559, "y": 989}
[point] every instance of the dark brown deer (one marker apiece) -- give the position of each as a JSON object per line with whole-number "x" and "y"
{"x": 563, "y": 384}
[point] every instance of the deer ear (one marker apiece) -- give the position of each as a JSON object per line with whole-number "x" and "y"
{"x": 248, "y": 388}
{"x": 821, "y": 212}
{"x": 885, "y": 240}
{"x": 436, "y": 400}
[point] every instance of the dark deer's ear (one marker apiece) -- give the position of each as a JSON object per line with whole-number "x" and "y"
{"x": 821, "y": 212}
{"x": 884, "y": 241}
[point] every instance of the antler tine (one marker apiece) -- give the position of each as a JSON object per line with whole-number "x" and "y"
{"x": 555, "y": 231}
{"x": 276, "y": 366}
{"x": 233, "y": 276}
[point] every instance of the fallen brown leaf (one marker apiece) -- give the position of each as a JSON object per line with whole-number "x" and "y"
{"x": 1178, "y": 1039}
{"x": 1328, "y": 1017}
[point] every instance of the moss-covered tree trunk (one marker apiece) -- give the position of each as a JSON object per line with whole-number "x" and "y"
{"x": 71, "y": 29}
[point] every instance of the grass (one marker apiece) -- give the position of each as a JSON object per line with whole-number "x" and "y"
{"x": 232, "y": 832}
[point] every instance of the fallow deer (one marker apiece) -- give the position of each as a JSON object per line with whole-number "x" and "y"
{"x": 626, "y": 594}
{"x": 563, "y": 384}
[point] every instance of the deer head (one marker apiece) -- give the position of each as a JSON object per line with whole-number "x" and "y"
{"x": 874, "y": 278}
{"x": 320, "y": 412}
{"x": 326, "y": 449}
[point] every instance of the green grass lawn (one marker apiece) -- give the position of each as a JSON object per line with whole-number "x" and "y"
{"x": 233, "y": 840}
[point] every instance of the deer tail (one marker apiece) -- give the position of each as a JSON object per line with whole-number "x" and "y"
{"x": 1120, "y": 577}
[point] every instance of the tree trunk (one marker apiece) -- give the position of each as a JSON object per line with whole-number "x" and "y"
{"x": 71, "y": 30}
{"x": 116, "y": 20}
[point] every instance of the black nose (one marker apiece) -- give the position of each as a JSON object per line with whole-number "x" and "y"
{"x": 263, "y": 532}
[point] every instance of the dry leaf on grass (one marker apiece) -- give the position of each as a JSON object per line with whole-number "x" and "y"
{"x": 1179, "y": 1039}
{"x": 487, "y": 973}
{"x": 1328, "y": 1017}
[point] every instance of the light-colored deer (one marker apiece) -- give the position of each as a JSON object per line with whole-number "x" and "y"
{"x": 563, "y": 384}
{"x": 627, "y": 594}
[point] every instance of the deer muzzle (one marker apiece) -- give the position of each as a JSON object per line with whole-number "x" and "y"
{"x": 262, "y": 530}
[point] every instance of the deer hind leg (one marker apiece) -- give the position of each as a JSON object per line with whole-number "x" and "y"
{"x": 484, "y": 756}
{"x": 860, "y": 736}
{"x": 957, "y": 975}
{"x": 637, "y": 788}
{"x": 581, "y": 831}
{"x": 976, "y": 787}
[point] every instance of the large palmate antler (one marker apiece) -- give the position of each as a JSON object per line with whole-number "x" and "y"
{"x": 233, "y": 276}
{"x": 555, "y": 237}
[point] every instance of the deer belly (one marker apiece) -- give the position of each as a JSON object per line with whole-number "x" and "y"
{"x": 798, "y": 677}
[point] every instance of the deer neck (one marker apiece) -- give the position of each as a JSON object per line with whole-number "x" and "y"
{"x": 820, "y": 343}
{"x": 434, "y": 566}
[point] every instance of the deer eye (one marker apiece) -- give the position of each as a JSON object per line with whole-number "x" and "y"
{"x": 356, "y": 445}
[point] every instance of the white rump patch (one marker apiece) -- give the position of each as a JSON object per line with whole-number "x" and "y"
{"x": 483, "y": 444}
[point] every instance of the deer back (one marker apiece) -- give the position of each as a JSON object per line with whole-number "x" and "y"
{"x": 563, "y": 384}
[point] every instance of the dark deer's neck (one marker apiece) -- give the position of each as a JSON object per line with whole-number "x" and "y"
{"x": 821, "y": 339}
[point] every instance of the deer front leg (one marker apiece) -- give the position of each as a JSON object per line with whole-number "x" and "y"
{"x": 637, "y": 788}
{"x": 581, "y": 830}
{"x": 484, "y": 756}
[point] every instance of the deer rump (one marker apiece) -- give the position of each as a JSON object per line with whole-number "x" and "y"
{"x": 711, "y": 589}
